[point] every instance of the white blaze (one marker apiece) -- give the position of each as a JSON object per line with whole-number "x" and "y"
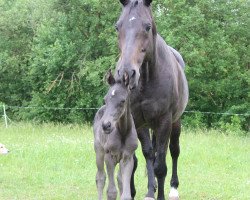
{"x": 132, "y": 18}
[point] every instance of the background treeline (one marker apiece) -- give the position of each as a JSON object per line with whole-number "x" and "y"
{"x": 54, "y": 53}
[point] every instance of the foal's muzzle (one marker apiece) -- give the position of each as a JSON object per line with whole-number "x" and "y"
{"x": 106, "y": 126}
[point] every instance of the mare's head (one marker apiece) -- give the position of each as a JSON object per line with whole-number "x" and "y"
{"x": 116, "y": 102}
{"x": 136, "y": 34}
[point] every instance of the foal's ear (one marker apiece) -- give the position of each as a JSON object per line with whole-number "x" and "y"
{"x": 147, "y": 2}
{"x": 110, "y": 78}
{"x": 124, "y": 2}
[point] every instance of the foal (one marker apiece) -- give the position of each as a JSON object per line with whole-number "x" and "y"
{"x": 115, "y": 140}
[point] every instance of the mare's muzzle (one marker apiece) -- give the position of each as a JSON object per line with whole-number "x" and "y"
{"x": 133, "y": 76}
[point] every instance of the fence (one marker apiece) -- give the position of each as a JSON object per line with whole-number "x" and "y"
{"x": 7, "y": 119}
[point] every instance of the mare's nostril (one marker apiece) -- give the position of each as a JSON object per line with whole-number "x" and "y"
{"x": 133, "y": 73}
{"x": 118, "y": 72}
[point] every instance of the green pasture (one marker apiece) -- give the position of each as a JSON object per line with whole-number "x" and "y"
{"x": 58, "y": 162}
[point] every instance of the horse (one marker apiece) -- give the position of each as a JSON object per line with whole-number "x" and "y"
{"x": 159, "y": 91}
{"x": 115, "y": 140}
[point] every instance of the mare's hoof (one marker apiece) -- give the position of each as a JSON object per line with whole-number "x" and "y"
{"x": 173, "y": 195}
{"x": 149, "y": 198}
{"x": 173, "y": 198}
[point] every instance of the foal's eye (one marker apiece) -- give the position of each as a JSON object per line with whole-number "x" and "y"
{"x": 148, "y": 27}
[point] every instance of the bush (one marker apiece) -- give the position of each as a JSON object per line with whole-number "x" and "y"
{"x": 233, "y": 127}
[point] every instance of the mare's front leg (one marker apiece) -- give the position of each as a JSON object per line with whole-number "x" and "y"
{"x": 126, "y": 165}
{"x": 147, "y": 150}
{"x": 110, "y": 165}
{"x": 100, "y": 175}
{"x": 162, "y": 138}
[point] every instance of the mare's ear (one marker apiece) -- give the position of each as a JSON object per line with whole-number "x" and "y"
{"x": 124, "y": 2}
{"x": 126, "y": 79}
{"x": 147, "y": 2}
{"x": 110, "y": 78}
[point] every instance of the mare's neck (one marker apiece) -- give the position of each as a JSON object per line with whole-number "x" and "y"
{"x": 149, "y": 66}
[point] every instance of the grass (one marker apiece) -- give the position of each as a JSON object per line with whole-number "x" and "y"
{"x": 58, "y": 162}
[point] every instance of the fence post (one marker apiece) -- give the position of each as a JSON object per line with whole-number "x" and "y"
{"x": 5, "y": 116}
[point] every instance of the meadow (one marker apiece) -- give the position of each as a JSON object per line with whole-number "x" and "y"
{"x": 51, "y": 161}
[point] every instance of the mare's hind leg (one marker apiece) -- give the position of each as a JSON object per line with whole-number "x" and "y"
{"x": 132, "y": 183}
{"x": 175, "y": 151}
{"x": 147, "y": 150}
{"x": 100, "y": 175}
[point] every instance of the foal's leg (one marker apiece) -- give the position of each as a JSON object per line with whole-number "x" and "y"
{"x": 147, "y": 150}
{"x": 110, "y": 165}
{"x": 175, "y": 151}
{"x": 132, "y": 184}
{"x": 160, "y": 167}
{"x": 119, "y": 180}
{"x": 127, "y": 165}
{"x": 100, "y": 175}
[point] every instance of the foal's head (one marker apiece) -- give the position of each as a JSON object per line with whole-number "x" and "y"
{"x": 116, "y": 102}
{"x": 136, "y": 35}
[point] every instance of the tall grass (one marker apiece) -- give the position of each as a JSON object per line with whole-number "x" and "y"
{"x": 58, "y": 162}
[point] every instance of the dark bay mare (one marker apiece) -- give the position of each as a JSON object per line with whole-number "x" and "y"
{"x": 159, "y": 91}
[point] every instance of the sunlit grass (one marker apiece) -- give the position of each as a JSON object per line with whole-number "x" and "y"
{"x": 58, "y": 162}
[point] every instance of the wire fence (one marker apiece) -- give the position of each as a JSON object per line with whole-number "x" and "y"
{"x": 6, "y": 118}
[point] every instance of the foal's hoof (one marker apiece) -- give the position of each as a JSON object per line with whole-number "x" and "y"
{"x": 173, "y": 195}
{"x": 149, "y": 198}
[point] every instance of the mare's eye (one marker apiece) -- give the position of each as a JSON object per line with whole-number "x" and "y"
{"x": 122, "y": 101}
{"x": 148, "y": 27}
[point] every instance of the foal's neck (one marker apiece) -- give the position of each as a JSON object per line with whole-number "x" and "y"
{"x": 125, "y": 122}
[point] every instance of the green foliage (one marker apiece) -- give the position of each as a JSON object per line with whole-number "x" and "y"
{"x": 213, "y": 38}
{"x": 193, "y": 120}
{"x": 56, "y": 53}
{"x": 70, "y": 53}
{"x": 233, "y": 127}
